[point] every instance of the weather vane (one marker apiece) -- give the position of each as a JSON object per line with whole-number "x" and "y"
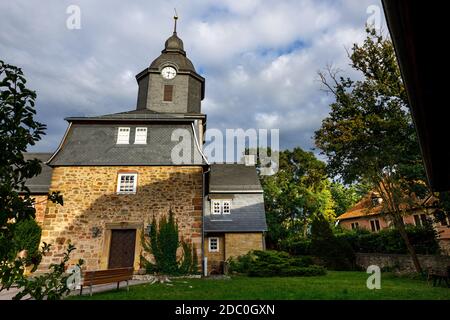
{"x": 175, "y": 17}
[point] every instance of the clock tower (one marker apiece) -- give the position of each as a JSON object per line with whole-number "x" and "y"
{"x": 170, "y": 84}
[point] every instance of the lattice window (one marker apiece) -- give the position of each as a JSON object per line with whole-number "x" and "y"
{"x": 127, "y": 183}
{"x": 213, "y": 244}
{"x": 141, "y": 136}
{"x": 123, "y": 135}
{"x": 216, "y": 207}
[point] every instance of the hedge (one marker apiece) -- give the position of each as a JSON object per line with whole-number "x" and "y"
{"x": 274, "y": 264}
{"x": 423, "y": 238}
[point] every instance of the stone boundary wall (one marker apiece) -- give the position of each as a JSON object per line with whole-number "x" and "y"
{"x": 401, "y": 262}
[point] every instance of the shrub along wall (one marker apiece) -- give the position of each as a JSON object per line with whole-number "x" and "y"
{"x": 273, "y": 264}
{"x": 387, "y": 241}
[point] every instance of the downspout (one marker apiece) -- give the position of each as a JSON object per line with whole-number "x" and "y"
{"x": 203, "y": 219}
{"x": 197, "y": 143}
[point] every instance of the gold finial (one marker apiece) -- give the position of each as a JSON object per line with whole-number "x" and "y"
{"x": 175, "y": 18}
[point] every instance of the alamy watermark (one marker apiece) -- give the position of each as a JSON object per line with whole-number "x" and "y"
{"x": 74, "y": 280}
{"x": 73, "y": 21}
{"x": 374, "y": 280}
{"x": 374, "y": 20}
{"x": 236, "y": 146}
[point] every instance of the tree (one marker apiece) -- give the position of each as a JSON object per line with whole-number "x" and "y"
{"x": 298, "y": 191}
{"x": 345, "y": 197}
{"x": 18, "y": 130}
{"x": 369, "y": 135}
{"x": 336, "y": 253}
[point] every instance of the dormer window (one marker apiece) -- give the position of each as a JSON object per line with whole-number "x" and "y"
{"x": 226, "y": 207}
{"x": 140, "y": 136}
{"x": 220, "y": 207}
{"x": 123, "y": 135}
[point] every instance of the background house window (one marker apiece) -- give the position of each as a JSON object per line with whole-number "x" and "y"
{"x": 141, "y": 136}
{"x": 213, "y": 244}
{"x": 168, "y": 93}
{"x": 420, "y": 220}
{"x": 221, "y": 207}
{"x": 126, "y": 183}
{"x": 375, "y": 225}
{"x": 355, "y": 225}
{"x": 123, "y": 135}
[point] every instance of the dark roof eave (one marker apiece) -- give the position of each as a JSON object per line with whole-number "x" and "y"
{"x": 236, "y": 231}
{"x": 100, "y": 119}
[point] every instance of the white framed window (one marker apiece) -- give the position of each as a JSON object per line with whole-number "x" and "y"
{"x": 226, "y": 207}
{"x": 213, "y": 244}
{"x": 123, "y": 135}
{"x": 126, "y": 183}
{"x": 220, "y": 206}
{"x": 140, "y": 136}
{"x": 216, "y": 207}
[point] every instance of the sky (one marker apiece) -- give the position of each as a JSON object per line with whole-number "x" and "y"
{"x": 260, "y": 58}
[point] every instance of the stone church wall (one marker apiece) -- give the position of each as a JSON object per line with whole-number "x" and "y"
{"x": 92, "y": 208}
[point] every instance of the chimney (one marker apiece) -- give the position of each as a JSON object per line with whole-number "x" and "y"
{"x": 250, "y": 160}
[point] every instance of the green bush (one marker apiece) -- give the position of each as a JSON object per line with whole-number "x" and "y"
{"x": 27, "y": 236}
{"x": 296, "y": 247}
{"x": 423, "y": 239}
{"x": 274, "y": 264}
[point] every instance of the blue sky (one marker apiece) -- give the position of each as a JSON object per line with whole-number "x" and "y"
{"x": 260, "y": 58}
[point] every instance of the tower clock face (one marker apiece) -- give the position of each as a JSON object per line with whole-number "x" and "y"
{"x": 168, "y": 73}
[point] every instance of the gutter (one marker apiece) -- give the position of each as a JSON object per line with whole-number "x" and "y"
{"x": 198, "y": 146}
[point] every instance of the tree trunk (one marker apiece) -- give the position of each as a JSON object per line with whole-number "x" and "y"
{"x": 412, "y": 252}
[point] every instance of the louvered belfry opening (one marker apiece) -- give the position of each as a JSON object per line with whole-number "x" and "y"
{"x": 168, "y": 92}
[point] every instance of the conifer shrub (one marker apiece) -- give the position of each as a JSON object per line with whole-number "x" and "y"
{"x": 163, "y": 243}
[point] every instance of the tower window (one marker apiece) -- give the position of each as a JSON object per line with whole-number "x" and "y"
{"x": 141, "y": 136}
{"x": 168, "y": 92}
{"x": 123, "y": 136}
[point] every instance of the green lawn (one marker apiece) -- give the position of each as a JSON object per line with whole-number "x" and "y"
{"x": 335, "y": 285}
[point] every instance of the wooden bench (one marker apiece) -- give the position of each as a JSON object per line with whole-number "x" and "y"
{"x": 92, "y": 278}
{"x": 437, "y": 276}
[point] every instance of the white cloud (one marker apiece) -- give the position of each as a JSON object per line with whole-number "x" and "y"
{"x": 260, "y": 58}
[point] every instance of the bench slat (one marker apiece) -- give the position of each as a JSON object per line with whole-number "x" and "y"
{"x": 107, "y": 276}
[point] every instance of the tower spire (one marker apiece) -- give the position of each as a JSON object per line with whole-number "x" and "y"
{"x": 175, "y": 18}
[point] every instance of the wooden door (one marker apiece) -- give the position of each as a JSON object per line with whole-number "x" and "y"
{"x": 122, "y": 247}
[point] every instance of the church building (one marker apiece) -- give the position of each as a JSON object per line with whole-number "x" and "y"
{"x": 117, "y": 171}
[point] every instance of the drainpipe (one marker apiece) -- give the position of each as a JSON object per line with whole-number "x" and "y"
{"x": 203, "y": 220}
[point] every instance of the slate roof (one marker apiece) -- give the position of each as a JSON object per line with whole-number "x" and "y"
{"x": 249, "y": 218}
{"x": 91, "y": 143}
{"x": 234, "y": 177}
{"x": 41, "y": 183}
{"x": 365, "y": 207}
